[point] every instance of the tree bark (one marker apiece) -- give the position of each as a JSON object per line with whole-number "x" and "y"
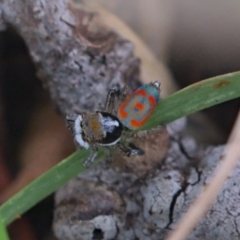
{"x": 77, "y": 57}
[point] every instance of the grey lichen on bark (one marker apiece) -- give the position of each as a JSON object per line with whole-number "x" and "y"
{"x": 152, "y": 204}
{"x": 77, "y": 57}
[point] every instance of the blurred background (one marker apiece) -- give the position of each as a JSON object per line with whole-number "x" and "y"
{"x": 195, "y": 40}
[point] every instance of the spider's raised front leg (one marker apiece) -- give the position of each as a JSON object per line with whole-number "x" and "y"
{"x": 110, "y": 101}
{"x": 91, "y": 158}
{"x": 146, "y": 132}
{"x": 108, "y": 155}
{"x": 113, "y": 94}
{"x": 70, "y": 122}
{"x": 124, "y": 94}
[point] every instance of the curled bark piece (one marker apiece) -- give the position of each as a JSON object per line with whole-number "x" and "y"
{"x": 93, "y": 210}
{"x": 155, "y": 203}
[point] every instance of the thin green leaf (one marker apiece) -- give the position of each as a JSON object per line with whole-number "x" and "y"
{"x": 43, "y": 186}
{"x": 191, "y": 99}
{"x": 196, "y": 97}
{"x": 3, "y": 231}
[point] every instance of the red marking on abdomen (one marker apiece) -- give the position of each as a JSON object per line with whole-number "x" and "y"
{"x": 122, "y": 109}
{"x": 122, "y": 112}
{"x": 152, "y": 100}
{"x": 140, "y": 91}
{"x": 137, "y": 124}
{"x": 139, "y": 106}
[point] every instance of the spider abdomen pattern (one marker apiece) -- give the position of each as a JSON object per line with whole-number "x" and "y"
{"x": 139, "y": 106}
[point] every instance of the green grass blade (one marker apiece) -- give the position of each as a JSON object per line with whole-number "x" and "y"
{"x": 191, "y": 99}
{"x": 43, "y": 186}
{"x": 196, "y": 97}
{"x": 3, "y": 231}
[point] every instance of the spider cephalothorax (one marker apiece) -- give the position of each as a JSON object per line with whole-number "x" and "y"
{"x": 101, "y": 127}
{"x": 105, "y": 129}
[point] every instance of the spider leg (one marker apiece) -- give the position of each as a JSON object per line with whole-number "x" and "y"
{"x": 109, "y": 155}
{"x": 70, "y": 121}
{"x": 146, "y": 132}
{"x": 124, "y": 94}
{"x": 91, "y": 158}
{"x": 130, "y": 150}
{"x": 112, "y": 94}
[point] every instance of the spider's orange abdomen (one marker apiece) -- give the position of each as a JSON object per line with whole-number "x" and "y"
{"x": 138, "y": 107}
